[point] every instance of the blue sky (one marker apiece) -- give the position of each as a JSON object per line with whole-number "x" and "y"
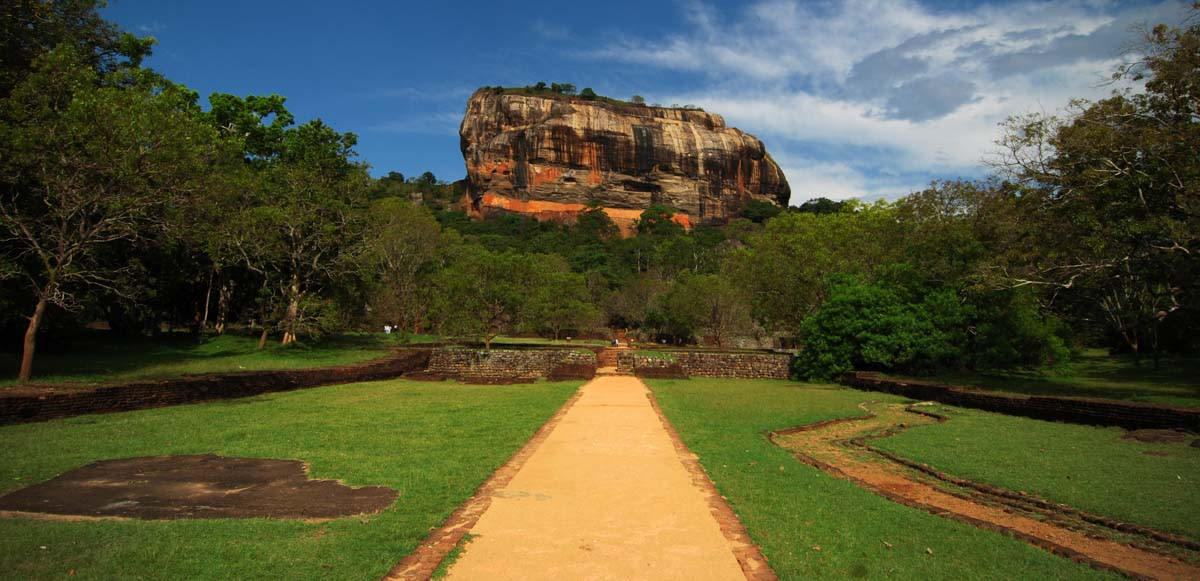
{"x": 854, "y": 99}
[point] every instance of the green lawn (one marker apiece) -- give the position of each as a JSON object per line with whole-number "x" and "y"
{"x": 434, "y": 442}
{"x": 1096, "y": 374}
{"x": 1086, "y": 467}
{"x": 789, "y": 508}
{"x": 98, "y": 357}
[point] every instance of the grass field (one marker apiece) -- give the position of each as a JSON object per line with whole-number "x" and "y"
{"x": 1096, "y": 374}
{"x": 790, "y": 509}
{"x": 435, "y": 443}
{"x": 98, "y": 357}
{"x": 1086, "y": 467}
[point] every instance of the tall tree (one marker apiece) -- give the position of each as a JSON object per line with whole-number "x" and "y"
{"x": 302, "y": 236}
{"x": 1114, "y": 190}
{"x": 88, "y": 161}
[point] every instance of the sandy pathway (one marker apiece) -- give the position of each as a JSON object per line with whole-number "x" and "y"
{"x": 605, "y": 496}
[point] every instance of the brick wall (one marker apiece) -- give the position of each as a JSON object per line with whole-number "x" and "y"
{"x": 48, "y": 402}
{"x": 511, "y": 365}
{"x": 702, "y": 364}
{"x": 1130, "y": 415}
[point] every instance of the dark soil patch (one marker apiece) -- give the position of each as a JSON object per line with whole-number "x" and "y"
{"x": 205, "y": 486}
{"x": 1157, "y": 436}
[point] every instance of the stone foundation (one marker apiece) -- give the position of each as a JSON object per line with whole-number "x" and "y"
{"x": 511, "y": 365}
{"x": 701, "y": 364}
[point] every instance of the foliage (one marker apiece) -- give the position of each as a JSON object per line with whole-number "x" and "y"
{"x": 1113, "y": 196}
{"x": 88, "y": 161}
{"x": 787, "y": 264}
{"x": 897, "y": 322}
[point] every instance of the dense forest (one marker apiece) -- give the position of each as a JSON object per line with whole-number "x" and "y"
{"x": 125, "y": 200}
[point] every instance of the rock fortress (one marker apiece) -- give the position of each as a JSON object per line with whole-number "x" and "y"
{"x": 550, "y": 156}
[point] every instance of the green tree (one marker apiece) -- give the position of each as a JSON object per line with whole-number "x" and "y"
{"x": 587, "y": 93}
{"x": 560, "y": 300}
{"x": 482, "y": 293}
{"x": 711, "y": 304}
{"x": 404, "y": 245}
{"x": 302, "y": 233}
{"x": 787, "y": 264}
{"x": 637, "y": 100}
{"x": 897, "y": 323}
{"x": 1112, "y": 194}
{"x": 88, "y": 161}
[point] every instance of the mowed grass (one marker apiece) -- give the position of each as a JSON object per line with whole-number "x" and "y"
{"x": 1086, "y": 467}
{"x": 433, "y": 442}
{"x": 98, "y": 357}
{"x": 810, "y": 524}
{"x": 1094, "y": 373}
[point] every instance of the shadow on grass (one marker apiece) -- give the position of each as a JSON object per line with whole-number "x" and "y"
{"x": 1096, "y": 374}
{"x": 99, "y": 356}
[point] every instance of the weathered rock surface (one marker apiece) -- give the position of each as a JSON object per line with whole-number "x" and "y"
{"x": 549, "y": 156}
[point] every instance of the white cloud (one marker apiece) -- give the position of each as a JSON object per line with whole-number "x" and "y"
{"x": 904, "y": 89}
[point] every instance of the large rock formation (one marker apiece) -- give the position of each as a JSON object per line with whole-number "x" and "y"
{"x": 550, "y": 156}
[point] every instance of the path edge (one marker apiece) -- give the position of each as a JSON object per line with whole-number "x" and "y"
{"x": 749, "y": 557}
{"x": 425, "y": 559}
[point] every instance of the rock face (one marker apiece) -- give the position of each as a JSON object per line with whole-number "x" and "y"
{"x": 550, "y": 156}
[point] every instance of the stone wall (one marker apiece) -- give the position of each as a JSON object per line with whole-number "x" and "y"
{"x": 1129, "y": 415}
{"x": 702, "y": 364}
{"x": 27, "y": 404}
{"x": 511, "y": 365}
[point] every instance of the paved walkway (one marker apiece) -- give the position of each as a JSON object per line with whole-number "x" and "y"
{"x": 605, "y": 496}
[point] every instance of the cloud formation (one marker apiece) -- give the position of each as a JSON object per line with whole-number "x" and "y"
{"x": 875, "y": 97}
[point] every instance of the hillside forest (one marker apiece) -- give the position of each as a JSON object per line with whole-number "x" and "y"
{"x": 127, "y": 202}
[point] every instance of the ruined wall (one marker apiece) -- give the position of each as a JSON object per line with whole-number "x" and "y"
{"x": 511, "y": 365}
{"x": 701, "y": 364}
{"x": 1130, "y": 415}
{"x": 48, "y": 402}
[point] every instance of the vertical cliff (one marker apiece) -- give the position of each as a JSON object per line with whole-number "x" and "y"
{"x": 550, "y": 155}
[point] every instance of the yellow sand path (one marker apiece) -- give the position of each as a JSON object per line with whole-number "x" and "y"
{"x": 605, "y": 496}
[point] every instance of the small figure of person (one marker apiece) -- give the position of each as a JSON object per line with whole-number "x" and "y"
{"x": 387, "y": 329}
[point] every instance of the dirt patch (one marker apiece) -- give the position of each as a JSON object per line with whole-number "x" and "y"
{"x": 1158, "y": 436}
{"x": 840, "y": 448}
{"x": 204, "y": 486}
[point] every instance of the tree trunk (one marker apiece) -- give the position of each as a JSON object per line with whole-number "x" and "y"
{"x": 293, "y": 313}
{"x": 207, "y": 302}
{"x": 262, "y": 340}
{"x": 487, "y": 342}
{"x": 31, "y": 341}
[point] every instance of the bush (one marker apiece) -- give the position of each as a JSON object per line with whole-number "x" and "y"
{"x": 897, "y": 323}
